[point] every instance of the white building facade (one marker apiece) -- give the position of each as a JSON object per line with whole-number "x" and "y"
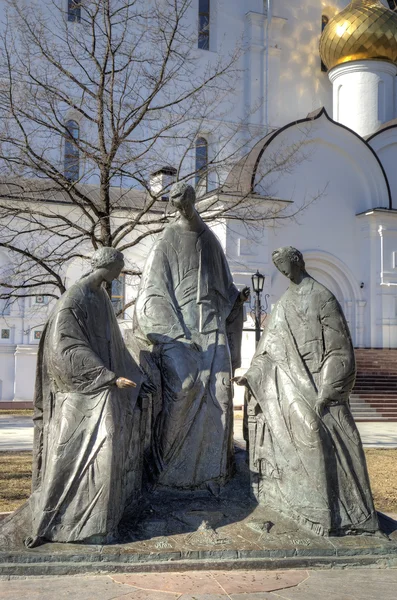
{"x": 339, "y": 191}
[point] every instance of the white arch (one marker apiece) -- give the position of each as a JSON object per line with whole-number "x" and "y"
{"x": 336, "y": 275}
{"x": 345, "y": 286}
{"x": 336, "y": 269}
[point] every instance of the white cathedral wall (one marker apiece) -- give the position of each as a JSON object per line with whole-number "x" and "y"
{"x": 296, "y": 83}
{"x": 379, "y": 255}
{"x": 302, "y": 87}
{"x": 349, "y": 180}
{"x": 384, "y": 143}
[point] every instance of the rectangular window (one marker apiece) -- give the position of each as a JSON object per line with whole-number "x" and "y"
{"x": 5, "y": 334}
{"x": 72, "y": 158}
{"x": 118, "y": 294}
{"x": 74, "y": 11}
{"x": 204, "y": 25}
{"x": 5, "y": 307}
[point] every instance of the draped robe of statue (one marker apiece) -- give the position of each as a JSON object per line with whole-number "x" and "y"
{"x": 311, "y": 468}
{"x": 86, "y": 445}
{"x": 187, "y": 291}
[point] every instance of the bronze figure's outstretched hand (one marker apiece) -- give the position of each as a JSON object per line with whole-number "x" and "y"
{"x": 239, "y": 380}
{"x": 122, "y": 382}
{"x": 244, "y": 294}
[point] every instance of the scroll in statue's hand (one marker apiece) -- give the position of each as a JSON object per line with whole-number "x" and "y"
{"x": 123, "y": 382}
{"x": 239, "y": 380}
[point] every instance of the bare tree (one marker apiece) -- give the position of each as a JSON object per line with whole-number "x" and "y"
{"x": 92, "y": 102}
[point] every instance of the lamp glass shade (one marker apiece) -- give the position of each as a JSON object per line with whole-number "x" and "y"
{"x": 258, "y": 281}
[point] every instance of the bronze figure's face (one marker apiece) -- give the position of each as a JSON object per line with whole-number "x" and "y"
{"x": 289, "y": 261}
{"x": 183, "y": 197}
{"x": 109, "y": 261}
{"x": 113, "y": 270}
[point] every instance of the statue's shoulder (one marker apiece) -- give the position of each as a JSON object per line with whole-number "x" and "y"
{"x": 74, "y": 297}
{"x": 165, "y": 240}
{"x": 322, "y": 293}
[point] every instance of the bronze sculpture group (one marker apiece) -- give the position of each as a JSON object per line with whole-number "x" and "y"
{"x": 91, "y": 420}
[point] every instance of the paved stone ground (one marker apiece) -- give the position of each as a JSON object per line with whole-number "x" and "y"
{"x": 351, "y": 584}
{"x": 16, "y": 433}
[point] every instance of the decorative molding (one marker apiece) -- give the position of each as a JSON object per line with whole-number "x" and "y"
{"x": 7, "y": 348}
{"x": 362, "y": 66}
{"x": 26, "y": 350}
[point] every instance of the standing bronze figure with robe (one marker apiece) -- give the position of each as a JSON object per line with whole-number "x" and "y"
{"x": 187, "y": 305}
{"x": 86, "y": 456}
{"x": 306, "y": 455}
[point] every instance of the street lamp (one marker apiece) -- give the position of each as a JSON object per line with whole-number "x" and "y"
{"x": 258, "y": 282}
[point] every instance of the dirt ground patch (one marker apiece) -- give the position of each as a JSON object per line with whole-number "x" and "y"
{"x": 16, "y": 473}
{"x": 382, "y": 468}
{"x": 15, "y": 479}
{"x": 25, "y": 412}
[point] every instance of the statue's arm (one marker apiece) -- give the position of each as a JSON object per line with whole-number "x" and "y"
{"x": 338, "y": 366}
{"x": 157, "y": 310}
{"x": 253, "y": 378}
{"x": 74, "y": 361}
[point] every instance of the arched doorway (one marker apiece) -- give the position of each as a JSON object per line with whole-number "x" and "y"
{"x": 337, "y": 277}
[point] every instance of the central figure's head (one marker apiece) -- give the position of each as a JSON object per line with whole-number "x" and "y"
{"x": 110, "y": 261}
{"x": 183, "y": 198}
{"x": 289, "y": 261}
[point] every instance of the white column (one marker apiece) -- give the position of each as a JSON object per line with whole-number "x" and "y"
{"x": 25, "y": 372}
{"x": 7, "y": 372}
{"x": 363, "y": 94}
{"x": 255, "y": 67}
{"x": 360, "y": 320}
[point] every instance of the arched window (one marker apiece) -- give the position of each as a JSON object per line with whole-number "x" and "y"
{"x": 324, "y": 23}
{"x": 118, "y": 294}
{"x": 202, "y": 164}
{"x": 74, "y": 11}
{"x": 204, "y": 24}
{"x": 71, "y": 160}
{"x": 392, "y": 4}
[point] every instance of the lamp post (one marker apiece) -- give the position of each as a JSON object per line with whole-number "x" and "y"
{"x": 258, "y": 282}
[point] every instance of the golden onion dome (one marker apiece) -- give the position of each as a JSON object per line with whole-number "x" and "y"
{"x": 364, "y": 30}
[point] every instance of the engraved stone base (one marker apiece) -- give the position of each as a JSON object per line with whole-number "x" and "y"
{"x": 183, "y": 531}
